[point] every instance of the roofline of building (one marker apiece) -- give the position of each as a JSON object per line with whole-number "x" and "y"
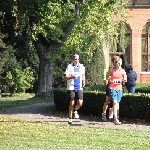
{"x": 139, "y": 6}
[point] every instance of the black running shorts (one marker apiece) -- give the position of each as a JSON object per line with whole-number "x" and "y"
{"x": 107, "y": 90}
{"x": 75, "y": 95}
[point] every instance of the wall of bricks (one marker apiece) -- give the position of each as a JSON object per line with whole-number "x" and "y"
{"x": 139, "y": 2}
{"x": 145, "y": 77}
{"x": 137, "y": 18}
{"x": 136, "y": 21}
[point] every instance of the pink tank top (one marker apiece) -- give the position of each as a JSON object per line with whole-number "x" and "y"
{"x": 116, "y": 77}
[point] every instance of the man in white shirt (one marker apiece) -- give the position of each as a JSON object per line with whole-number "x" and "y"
{"x": 75, "y": 76}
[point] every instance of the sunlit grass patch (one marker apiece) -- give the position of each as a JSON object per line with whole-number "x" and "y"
{"x": 17, "y": 134}
{"x": 21, "y": 99}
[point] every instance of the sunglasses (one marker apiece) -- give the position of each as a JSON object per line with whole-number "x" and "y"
{"x": 76, "y": 59}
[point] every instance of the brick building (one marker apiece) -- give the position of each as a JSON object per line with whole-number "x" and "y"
{"x": 137, "y": 50}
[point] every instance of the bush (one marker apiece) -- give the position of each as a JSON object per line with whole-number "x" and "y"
{"x": 19, "y": 80}
{"x": 135, "y": 106}
{"x": 142, "y": 87}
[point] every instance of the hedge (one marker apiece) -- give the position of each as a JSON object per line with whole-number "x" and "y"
{"x": 135, "y": 106}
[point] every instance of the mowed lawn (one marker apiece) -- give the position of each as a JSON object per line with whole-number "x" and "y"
{"x": 22, "y": 135}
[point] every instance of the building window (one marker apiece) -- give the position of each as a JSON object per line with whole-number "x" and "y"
{"x": 145, "y": 52}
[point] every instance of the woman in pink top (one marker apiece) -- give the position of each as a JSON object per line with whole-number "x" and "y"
{"x": 106, "y": 103}
{"x": 116, "y": 76}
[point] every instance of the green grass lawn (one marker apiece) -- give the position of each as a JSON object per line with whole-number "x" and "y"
{"x": 21, "y": 99}
{"x": 22, "y": 135}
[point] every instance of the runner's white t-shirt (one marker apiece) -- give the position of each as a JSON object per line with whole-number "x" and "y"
{"x": 75, "y": 84}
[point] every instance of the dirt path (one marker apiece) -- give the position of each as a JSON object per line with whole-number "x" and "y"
{"x": 46, "y": 112}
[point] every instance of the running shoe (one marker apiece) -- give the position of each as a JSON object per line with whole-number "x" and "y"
{"x": 70, "y": 121}
{"x": 110, "y": 113}
{"x": 117, "y": 122}
{"x": 104, "y": 117}
{"x": 76, "y": 115}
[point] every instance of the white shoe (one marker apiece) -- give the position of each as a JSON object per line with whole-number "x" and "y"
{"x": 110, "y": 114}
{"x": 76, "y": 115}
{"x": 117, "y": 122}
{"x": 70, "y": 121}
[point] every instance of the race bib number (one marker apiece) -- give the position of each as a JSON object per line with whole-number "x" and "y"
{"x": 116, "y": 81}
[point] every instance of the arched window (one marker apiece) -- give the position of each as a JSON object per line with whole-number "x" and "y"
{"x": 120, "y": 45}
{"x": 145, "y": 52}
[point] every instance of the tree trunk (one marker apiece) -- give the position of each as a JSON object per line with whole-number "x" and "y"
{"x": 45, "y": 78}
{"x": 46, "y": 47}
{"x": 45, "y": 75}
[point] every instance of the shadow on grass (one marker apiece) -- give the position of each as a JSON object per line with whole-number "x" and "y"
{"x": 21, "y": 100}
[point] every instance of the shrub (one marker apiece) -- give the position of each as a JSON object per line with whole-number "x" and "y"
{"x": 142, "y": 87}
{"x": 135, "y": 106}
{"x": 19, "y": 80}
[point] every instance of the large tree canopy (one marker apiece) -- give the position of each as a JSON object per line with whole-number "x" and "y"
{"x": 58, "y": 26}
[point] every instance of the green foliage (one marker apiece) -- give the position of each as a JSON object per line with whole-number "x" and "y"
{"x": 141, "y": 87}
{"x": 95, "y": 88}
{"x": 19, "y": 80}
{"x": 49, "y": 17}
{"x": 131, "y": 106}
{"x": 59, "y": 65}
{"x": 8, "y": 63}
{"x": 9, "y": 59}
{"x": 16, "y": 49}
{"x": 12, "y": 59}
{"x": 93, "y": 23}
{"x": 95, "y": 27}
{"x": 94, "y": 67}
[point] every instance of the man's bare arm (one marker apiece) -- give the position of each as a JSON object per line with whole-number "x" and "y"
{"x": 70, "y": 77}
{"x": 83, "y": 80}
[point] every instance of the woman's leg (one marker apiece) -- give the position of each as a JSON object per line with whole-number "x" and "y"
{"x": 115, "y": 109}
{"x": 106, "y": 104}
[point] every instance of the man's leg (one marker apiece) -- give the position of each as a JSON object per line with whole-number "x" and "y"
{"x": 71, "y": 105}
{"x": 79, "y": 103}
{"x": 71, "y": 108}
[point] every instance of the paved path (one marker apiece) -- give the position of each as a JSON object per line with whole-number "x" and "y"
{"x": 45, "y": 112}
